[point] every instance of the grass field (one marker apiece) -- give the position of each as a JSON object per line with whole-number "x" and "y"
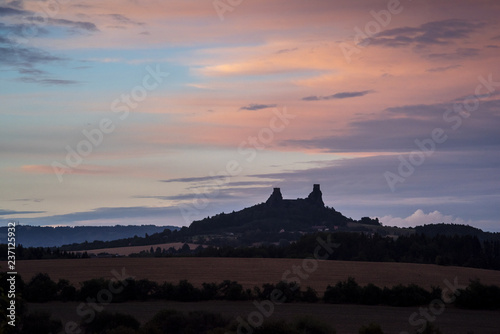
{"x": 253, "y": 272}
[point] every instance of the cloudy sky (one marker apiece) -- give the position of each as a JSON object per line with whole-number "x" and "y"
{"x": 161, "y": 112}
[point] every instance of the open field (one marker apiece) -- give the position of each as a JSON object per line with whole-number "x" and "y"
{"x": 347, "y": 319}
{"x": 252, "y": 272}
{"x": 137, "y": 249}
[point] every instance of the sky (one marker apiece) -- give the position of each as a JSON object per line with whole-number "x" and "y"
{"x": 164, "y": 112}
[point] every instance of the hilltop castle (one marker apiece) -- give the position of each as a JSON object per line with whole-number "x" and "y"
{"x": 315, "y": 198}
{"x": 278, "y": 214}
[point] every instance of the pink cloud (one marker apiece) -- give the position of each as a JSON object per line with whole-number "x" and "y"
{"x": 83, "y": 170}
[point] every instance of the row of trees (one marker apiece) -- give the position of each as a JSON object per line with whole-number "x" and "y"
{"x": 38, "y": 253}
{"x": 465, "y": 251}
{"x": 42, "y": 289}
{"x": 349, "y": 292}
{"x": 194, "y": 322}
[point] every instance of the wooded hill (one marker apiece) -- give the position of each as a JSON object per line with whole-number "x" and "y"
{"x": 278, "y": 214}
{"x": 47, "y": 236}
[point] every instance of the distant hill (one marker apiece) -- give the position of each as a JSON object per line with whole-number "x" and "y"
{"x": 278, "y": 214}
{"x": 45, "y": 236}
{"x": 455, "y": 229}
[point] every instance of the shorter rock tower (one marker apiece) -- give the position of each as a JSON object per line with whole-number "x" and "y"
{"x": 276, "y": 198}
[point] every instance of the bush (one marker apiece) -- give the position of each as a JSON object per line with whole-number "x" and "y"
{"x": 436, "y": 293}
{"x": 41, "y": 289}
{"x": 128, "y": 291}
{"x": 411, "y": 295}
{"x": 186, "y": 292}
{"x": 209, "y": 291}
{"x": 232, "y": 290}
{"x": 92, "y": 287}
{"x": 291, "y": 291}
{"x": 478, "y": 296}
{"x": 67, "y": 292}
{"x": 265, "y": 293}
{"x": 371, "y": 295}
{"x": 145, "y": 289}
{"x": 349, "y": 292}
{"x": 166, "y": 291}
{"x": 343, "y": 292}
{"x": 310, "y": 295}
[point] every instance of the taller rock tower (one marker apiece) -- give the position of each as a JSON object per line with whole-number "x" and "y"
{"x": 316, "y": 197}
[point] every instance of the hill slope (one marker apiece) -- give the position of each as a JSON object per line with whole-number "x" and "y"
{"x": 455, "y": 229}
{"x": 46, "y": 236}
{"x": 276, "y": 214}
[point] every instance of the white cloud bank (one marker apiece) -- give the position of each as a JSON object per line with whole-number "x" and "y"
{"x": 419, "y": 217}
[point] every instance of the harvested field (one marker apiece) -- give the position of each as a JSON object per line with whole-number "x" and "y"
{"x": 125, "y": 251}
{"x": 252, "y": 272}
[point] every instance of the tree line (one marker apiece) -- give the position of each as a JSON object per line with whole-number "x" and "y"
{"x": 171, "y": 321}
{"x": 464, "y": 251}
{"x": 39, "y": 253}
{"x": 41, "y": 288}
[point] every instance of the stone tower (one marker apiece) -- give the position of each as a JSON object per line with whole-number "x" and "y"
{"x": 276, "y": 198}
{"x": 316, "y": 197}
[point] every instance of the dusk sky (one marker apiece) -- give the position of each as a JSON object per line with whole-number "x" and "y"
{"x": 163, "y": 112}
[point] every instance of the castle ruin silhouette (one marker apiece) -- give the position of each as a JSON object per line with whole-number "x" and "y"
{"x": 315, "y": 198}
